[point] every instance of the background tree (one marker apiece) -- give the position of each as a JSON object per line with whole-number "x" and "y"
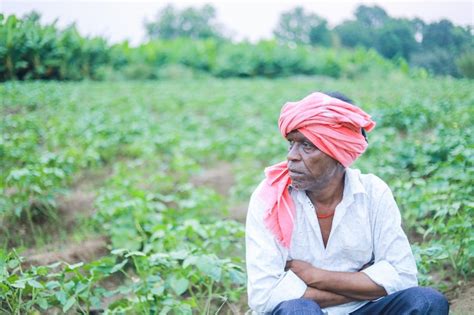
{"x": 444, "y": 34}
{"x": 445, "y": 49}
{"x": 363, "y": 31}
{"x": 465, "y": 64}
{"x": 354, "y": 33}
{"x": 299, "y": 27}
{"x": 374, "y": 28}
{"x": 441, "y": 47}
{"x": 372, "y": 17}
{"x": 196, "y": 23}
{"x": 396, "y": 38}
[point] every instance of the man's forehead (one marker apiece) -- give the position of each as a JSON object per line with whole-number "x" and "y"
{"x": 296, "y": 135}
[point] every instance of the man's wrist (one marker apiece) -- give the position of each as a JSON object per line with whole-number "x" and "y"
{"x": 317, "y": 278}
{"x": 325, "y": 298}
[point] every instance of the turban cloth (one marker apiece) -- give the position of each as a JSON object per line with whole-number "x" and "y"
{"x": 334, "y": 127}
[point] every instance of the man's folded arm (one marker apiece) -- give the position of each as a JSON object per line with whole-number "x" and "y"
{"x": 353, "y": 285}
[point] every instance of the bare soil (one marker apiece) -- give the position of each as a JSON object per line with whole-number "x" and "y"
{"x": 87, "y": 250}
{"x": 463, "y": 304}
{"x": 220, "y": 177}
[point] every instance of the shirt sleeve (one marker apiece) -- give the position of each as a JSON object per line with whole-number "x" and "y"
{"x": 394, "y": 266}
{"x": 268, "y": 283}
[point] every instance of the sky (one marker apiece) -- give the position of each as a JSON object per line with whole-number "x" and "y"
{"x": 119, "y": 20}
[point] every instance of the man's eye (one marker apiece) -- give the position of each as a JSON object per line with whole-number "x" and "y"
{"x": 308, "y": 146}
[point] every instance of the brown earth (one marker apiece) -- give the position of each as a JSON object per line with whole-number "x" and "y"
{"x": 220, "y": 177}
{"x": 87, "y": 250}
{"x": 463, "y": 304}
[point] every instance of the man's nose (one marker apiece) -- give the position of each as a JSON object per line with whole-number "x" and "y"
{"x": 293, "y": 153}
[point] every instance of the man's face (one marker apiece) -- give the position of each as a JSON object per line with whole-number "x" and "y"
{"x": 309, "y": 168}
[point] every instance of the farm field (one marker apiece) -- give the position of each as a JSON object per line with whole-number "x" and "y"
{"x": 130, "y": 197}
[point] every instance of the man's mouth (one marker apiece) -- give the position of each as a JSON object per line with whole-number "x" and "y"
{"x": 292, "y": 173}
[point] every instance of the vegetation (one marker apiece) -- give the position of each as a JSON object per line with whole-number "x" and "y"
{"x": 194, "y": 23}
{"x": 29, "y": 50}
{"x": 191, "y": 41}
{"x": 435, "y": 46}
{"x": 299, "y": 27}
{"x": 43, "y": 52}
{"x": 171, "y": 246}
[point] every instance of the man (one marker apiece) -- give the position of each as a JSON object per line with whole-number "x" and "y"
{"x": 323, "y": 238}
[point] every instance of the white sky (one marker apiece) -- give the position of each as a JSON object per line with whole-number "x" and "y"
{"x": 244, "y": 19}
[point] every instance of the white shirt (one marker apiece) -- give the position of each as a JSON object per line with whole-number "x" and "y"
{"x": 366, "y": 225}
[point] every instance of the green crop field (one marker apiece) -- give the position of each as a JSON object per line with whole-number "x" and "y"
{"x": 161, "y": 171}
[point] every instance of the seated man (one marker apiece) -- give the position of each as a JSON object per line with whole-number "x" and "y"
{"x": 323, "y": 238}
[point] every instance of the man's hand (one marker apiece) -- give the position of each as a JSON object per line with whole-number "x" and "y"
{"x": 305, "y": 271}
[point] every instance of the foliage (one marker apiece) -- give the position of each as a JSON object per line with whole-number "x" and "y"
{"x": 431, "y": 46}
{"x": 31, "y": 51}
{"x": 436, "y": 61}
{"x": 298, "y": 27}
{"x": 371, "y": 17}
{"x": 266, "y": 58}
{"x": 396, "y": 39}
{"x": 65, "y": 55}
{"x": 444, "y": 34}
{"x": 373, "y": 27}
{"x": 191, "y": 37}
{"x": 59, "y": 286}
{"x": 194, "y": 23}
{"x": 353, "y": 34}
{"x": 442, "y": 45}
{"x": 465, "y": 64}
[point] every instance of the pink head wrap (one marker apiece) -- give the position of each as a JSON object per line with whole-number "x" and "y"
{"x": 333, "y": 126}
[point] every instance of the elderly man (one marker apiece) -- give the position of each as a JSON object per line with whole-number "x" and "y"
{"x": 323, "y": 238}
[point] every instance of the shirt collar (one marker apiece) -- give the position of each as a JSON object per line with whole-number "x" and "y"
{"x": 353, "y": 182}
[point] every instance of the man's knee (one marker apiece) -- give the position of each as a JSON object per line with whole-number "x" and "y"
{"x": 298, "y": 307}
{"x": 426, "y": 300}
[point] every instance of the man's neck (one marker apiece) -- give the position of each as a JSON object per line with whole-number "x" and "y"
{"x": 330, "y": 195}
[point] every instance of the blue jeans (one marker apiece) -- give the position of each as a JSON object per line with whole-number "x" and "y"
{"x": 416, "y": 300}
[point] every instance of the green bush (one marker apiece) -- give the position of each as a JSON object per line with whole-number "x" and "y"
{"x": 29, "y": 50}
